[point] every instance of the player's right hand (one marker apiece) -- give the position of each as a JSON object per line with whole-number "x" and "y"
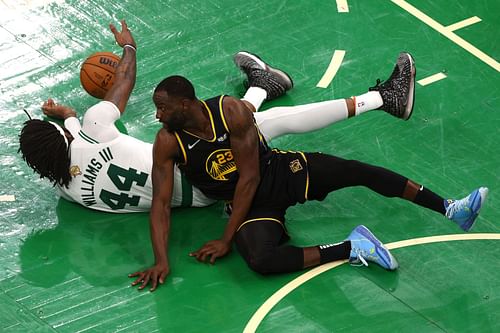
{"x": 123, "y": 37}
{"x": 155, "y": 274}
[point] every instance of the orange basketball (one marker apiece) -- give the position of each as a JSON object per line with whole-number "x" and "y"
{"x": 97, "y": 73}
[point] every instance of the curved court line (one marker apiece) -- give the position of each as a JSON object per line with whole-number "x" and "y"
{"x": 331, "y": 71}
{"x": 267, "y": 306}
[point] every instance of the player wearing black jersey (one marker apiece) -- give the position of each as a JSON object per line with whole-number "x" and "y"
{"x": 221, "y": 151}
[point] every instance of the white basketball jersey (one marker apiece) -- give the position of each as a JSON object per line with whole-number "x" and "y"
{"x": 111, "y": 171}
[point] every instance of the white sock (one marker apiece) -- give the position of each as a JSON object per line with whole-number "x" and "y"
{"x": 255, "y": 96}
{"x": 282, "y": 120}
{"x": 367, "y": 102}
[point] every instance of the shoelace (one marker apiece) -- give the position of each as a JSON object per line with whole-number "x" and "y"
{"x": 361, "y": 259}
{"x": 377, "y": 85}
{"x": 456, "y": 206}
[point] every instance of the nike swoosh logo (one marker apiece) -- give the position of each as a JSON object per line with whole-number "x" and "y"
{"x": 194, "y": 144}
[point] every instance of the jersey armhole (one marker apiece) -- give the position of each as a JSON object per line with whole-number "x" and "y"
{"x": 221, "y": 110}
{"x": 183, "y": 150}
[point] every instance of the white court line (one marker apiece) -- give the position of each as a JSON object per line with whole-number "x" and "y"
{"x": 7, "y": 198}
{"x": 267, "y": 306}
{"x": 449, "y": 34}
{"x": 463, "y": 24}
{"x": 342, "y": 6}
{"x": 431, "y": 79}
{"x": 331, "y": 71}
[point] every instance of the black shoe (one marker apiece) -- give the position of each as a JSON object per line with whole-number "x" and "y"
{"x": 398, "y": 92}
{"x": 274, "y": 81}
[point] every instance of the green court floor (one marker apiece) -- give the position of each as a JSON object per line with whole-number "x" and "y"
{"x": 63, "y": 268}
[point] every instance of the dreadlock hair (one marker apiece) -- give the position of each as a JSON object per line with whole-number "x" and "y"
{"x": 45, "y": 151}
{"x": 177, "y": 86}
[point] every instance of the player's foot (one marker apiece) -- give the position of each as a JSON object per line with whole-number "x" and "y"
{"x": 398, "y": 92}
{"x": 366, "y": 247}
{"x": 274, "y": 81}
{"x": 465, "y": 211}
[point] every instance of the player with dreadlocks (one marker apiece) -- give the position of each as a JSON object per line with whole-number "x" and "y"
{"x": 53, "y": 162}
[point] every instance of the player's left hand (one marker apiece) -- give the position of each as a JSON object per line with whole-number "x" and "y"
{"x": 51, "y": 109}
{"x": 213, "y": 249}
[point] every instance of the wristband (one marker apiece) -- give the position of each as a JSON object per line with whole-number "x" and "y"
{"x": 131, "y": 46}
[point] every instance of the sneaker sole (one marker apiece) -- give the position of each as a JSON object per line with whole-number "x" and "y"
{"x": 240, "y": 59}
{"x": 411, "y": 93}
{"x": 483, "y": 193}
{"x": 381, "y": 249}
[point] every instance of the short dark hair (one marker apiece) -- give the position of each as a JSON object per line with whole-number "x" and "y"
{"x": 177, "y": 86}
{"x": 44, "y": 149}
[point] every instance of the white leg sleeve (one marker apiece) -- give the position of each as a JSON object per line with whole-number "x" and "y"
{"x": 278, "y": 121}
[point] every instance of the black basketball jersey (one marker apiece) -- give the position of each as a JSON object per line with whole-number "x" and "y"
{"x": 209, "y": 164}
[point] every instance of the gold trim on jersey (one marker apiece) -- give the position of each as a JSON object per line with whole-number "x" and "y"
{"x": 306, "y": 192}
{"x": 262, "y": 219}
{"x": 222, "y": 115}
{"x": 220, "y": 163}
{"x": 261, "y": 138}
{"x": 181, "y": 145}
{"x": 211, "y": 124}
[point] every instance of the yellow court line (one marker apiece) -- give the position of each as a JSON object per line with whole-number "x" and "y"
{"x": 7, "y": 198}
{"x": 342, "y": 6}
{"x": 267, "y": 306}
{"x": 331, "y": 71}
{"x": 449, "y": 34}
{"x": 431, "y": 79}
{"x": 463, "y": 24}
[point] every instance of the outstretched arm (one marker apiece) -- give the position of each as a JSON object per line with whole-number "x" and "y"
{"x": 164, "y": 152}
{"x": 59, "y": 111}
{"x": 125, "y": 71}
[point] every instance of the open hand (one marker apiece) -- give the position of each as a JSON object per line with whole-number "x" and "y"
{"x": 213, "y": 249}
{"x": 155, "y": 274}
{"x": 123, "y": 37}
{"x": 51, "y": 109}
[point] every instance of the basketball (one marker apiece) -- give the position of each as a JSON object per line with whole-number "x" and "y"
{"x": 97, "y": 73}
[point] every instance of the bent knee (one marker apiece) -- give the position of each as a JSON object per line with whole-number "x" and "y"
{"x": 261, "y": 264}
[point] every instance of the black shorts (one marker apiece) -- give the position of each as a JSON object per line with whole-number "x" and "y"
{"x": 291, "y": 178}
{"x": 284, "y": 182}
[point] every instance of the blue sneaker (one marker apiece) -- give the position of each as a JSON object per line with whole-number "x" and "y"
{"x": 366, "y": 247}
{"x": 465, "y": 211}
